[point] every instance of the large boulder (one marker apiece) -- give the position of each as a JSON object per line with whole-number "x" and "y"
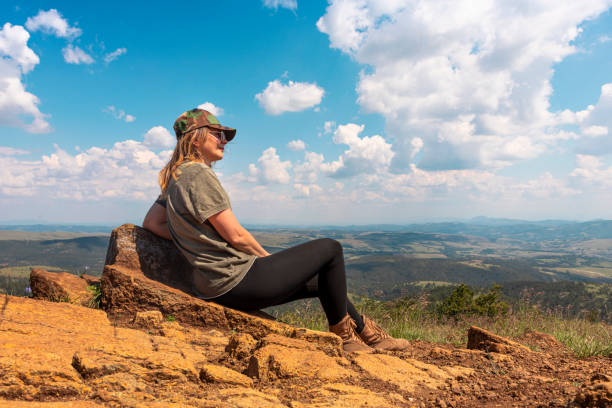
{"x": 144, "y": 272}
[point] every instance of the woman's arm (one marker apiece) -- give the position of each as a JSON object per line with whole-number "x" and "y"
{"x": 229, "y": 228}
{"x": 156, "y": 221}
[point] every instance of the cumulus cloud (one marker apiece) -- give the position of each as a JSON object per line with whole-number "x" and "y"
{"x": 52, "y": 22}
{"x": 366, "y": 154}
{"x": 275, "y": 4}
{"x": 111, "y": 56}
{"x": 472, "y": 86}
{"x": 595, "y": 122}
{"x": 159, "y": 136}
{"x": 271, "y": 169}
{"x": 296, "y": 145}
{"x": 119, "y": 114}
{"x": 17, "y": 59}
{"x": 75, "y": 55}
{"x": 209, "y": 106}
{"x": 278, "y": 98}
{"x": 308, "y": 170}
{"x": 128, "y": 170}
{"x": 591, "y": 173}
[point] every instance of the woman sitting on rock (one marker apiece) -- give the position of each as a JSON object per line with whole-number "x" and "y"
{"x": 230, "y": 267}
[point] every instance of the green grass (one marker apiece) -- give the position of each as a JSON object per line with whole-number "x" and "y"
{"x": 413, "y": 320}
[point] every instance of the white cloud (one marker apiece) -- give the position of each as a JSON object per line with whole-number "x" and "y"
{"x": 275, "y": 4}
{"x": 17, "y": 59}
{"x": 470, "y": 79}
{"x": 309, "y": 190}
{"x": 595, "y": 131}
{"x": 271, "y": 169}
{"x": 75, "y": 55}
{"x": 366, "y": 154}
{"x": 52, "y": 22}
{"x": 292, "y": 97}
{"x": 296, "y": 145}
{"x": 604, "y": 39}
{"x": 595, "y": 122}
{"x": 159, "y": 136}
{"x": 119, "y": 114}
{"x": 328, "y": 127}
{"x": 111, "y": 56}
{"x": 128, "y": 170}
{"x": 9, "y": 151}
{"x": 591, "y": 173}
{"x": 209, "y": 106}
{"x": 308, "y": 170}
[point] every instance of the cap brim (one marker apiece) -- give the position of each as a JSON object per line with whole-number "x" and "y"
{"x": 230, "y": 133}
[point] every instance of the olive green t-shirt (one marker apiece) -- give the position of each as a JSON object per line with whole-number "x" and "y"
{"x": 191, "y": 199}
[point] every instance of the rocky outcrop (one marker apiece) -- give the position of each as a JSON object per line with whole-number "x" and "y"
{"x": 64, "y": 287}
{"x": 156, "y": 345}
{"x": 65, "y": 355}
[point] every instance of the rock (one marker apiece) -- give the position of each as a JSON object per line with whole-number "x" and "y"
{"x": 220, "y": 374}
{"x": 63, "y": 287}
{"x": 481, "y": 339}
{"x": 596, "y": 394}
{"x": 249, "y": 398}
{"x": 50, "y": 404}
{"x": 339, "y": 395}
{"x": 407, "y": 374}
{"x": 281, "y": 357}
{"x": 158, "y": 259}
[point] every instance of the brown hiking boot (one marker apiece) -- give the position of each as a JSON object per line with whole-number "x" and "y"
{"x": 345, "y": 329}
{"x": 374, "y": 336}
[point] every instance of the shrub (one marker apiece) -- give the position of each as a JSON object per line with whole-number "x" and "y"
{"x": 463, "y": 302}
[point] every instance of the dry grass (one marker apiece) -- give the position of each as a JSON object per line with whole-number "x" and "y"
{"x": 411, "y": 319}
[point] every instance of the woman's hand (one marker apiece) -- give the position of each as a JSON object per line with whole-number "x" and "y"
{"x": 156, "y": 221}
{"x": 229, "y": 228}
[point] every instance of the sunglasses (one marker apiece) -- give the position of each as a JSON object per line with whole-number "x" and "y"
{"x": 219, "y": 135}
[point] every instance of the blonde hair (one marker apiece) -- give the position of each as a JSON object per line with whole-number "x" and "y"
{"x": 183, "y": 152}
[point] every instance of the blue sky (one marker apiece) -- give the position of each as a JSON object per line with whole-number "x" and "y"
{"x": 348, "y": 112}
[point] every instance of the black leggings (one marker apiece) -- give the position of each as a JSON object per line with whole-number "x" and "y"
{"x": 312, "y": 269}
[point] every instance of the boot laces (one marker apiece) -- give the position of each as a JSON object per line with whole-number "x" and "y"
{"x": 378, "y": 330}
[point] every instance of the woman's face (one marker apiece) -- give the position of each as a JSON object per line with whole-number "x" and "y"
{"x": 213, "y": 146}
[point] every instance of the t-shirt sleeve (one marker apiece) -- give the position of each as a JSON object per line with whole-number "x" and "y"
{"x": 161, "y": 200}
{"x": 207, "y": 195}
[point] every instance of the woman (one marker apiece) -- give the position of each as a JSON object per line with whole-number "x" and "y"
{"x": 230, "y": 267}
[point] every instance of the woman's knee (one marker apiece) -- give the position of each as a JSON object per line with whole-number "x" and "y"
{"x": 331, "y": 246}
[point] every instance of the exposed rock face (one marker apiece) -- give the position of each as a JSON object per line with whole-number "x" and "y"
{"x": 63, "y": 287}
{"x": 64, "y": 355}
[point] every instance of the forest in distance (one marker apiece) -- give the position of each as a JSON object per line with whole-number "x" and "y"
{"x": 564, "y": 265}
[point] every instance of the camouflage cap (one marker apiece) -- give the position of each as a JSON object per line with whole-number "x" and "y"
{"x": 197, "y": 118}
